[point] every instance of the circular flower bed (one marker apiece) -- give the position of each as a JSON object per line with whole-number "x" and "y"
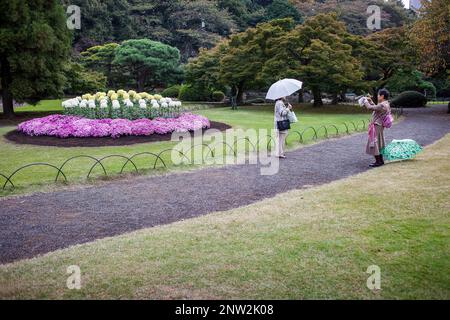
{"x": 63, "y": 126}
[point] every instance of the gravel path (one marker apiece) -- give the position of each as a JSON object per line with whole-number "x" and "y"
{"x": 40, "y": 223}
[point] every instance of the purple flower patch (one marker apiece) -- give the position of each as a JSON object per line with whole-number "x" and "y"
{"x": 62, "y": 126}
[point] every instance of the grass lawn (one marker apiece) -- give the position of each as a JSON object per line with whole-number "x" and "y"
{"x": 42, "y": 106}
{"x": 314, "y": 243}
{"x": 13, "y": 156}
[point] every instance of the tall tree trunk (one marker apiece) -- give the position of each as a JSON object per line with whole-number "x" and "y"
{"x": 140, "y": 80}
{"x": 7, "y": 98}
{"x": 317, "y": 97}
{"x": 240, "y": 93}
{"x": 300, "y": 96}
{"x": 233, "y": 93}
{"x": 374, "y": 94}
{"x": 335, "y": 99}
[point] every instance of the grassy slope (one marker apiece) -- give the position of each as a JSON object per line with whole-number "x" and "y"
{"x": 13, "y": 156}
{"x": 314, "y": 243}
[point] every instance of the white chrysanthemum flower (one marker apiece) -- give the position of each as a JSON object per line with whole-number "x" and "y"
{"x": 172, "y": 104}
{"x": 91, "y": 104}
{"x": 153, "y": 101}
{"x": 155, "y": 105}
{"x": 128, "y": 103}
{"x": 142, "y": 105}
{"x": 115, "y": 104}
{"x": 83, "y": 103}
{"x": 164, "y": 105}
{"x": 75, "y": 102}
{"x": 66, "y": 104}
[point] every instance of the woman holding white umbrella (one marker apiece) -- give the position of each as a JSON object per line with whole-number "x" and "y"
{"x": 283, "y": 113}
{"x": 281, "y": 116}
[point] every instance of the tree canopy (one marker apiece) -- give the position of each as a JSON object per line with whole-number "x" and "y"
{"x": 354, "y": 12}
{"x": 238, "y": 62}
{"x": 151, "y": 63}
{"x": 35, "y": 44}
{"x": 431, "y": 34}
{"x": 187, "y": 25}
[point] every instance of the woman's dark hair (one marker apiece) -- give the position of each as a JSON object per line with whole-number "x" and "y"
{"x": 384, "y": 92}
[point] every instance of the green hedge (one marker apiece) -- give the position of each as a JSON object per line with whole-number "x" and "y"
{"x": 409, "y": 99}
{"x": 172, "y": 92}
{"x": 194, "y": 93}
{"x": 218, "y": 96}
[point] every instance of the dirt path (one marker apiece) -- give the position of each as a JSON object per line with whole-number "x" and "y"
{"x": 40, "y": 223}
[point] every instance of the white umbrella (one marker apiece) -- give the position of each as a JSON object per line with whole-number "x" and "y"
{"x": 283, "y": 88}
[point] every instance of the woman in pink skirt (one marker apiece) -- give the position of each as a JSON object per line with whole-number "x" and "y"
{"x": 376, "y": 142}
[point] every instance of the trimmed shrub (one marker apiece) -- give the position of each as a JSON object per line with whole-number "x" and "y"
{"x": 172, "y": 92}
{"x": 80, "y": 80}
{"x": 218, "y": 96}
{"x": 409, "y": 99}
{"x": 194, "y": 93}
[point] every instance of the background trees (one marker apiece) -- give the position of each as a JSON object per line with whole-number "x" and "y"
{"x": 100, "y": 58}
{"x": 187, "y": 25}
{"x": 35, "y": 43}
{"x": 151, "y": 63}
{"x": 354, "y": 12}
{"x": 387, "y": 53}
{"x": 316, "y": 52}
{"x": 226, "y": 45}
{"x": 238, "y": 62}
{"x": 431, "y": 35}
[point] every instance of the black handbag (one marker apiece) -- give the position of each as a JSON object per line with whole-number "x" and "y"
{"x": 283, "y": 125}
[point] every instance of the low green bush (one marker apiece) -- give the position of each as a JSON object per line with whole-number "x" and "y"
{"x": 409, "y": 99}
{"x": 218, "y": 96}
{"x": 172, "y": 92}
{"x": 194, "y": 93}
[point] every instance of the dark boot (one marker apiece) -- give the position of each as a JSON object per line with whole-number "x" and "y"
{"x": 381, "y": 159}
{"x": 378, "y": 162}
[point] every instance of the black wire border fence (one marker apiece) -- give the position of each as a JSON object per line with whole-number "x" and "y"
{"x": 329, "y": 131}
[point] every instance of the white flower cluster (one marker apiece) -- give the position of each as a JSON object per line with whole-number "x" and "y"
{"x": 164, "y": 103}
{"x": 121, "y": 98}
{"x": 72, "y": 103}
